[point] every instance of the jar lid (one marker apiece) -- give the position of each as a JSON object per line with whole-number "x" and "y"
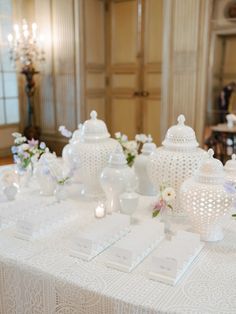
{"x": 94, "y": 129}
{"x": 77, "y": 134}
{"x": 148, "y": 148}
{"x": 117, "y": 158}
{"x": 180, "y": 135}
{"x": 230, "y": 165}
{"x": 210, "y": 169}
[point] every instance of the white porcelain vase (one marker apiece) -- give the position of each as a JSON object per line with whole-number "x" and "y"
{"x": 92, "y": 153}
{"x": 176, "y": 160}
{"x": 47, "y": 183}
{"x": 115, "y": 178}
{"x": 205, "y": 200}
{"x": 145, "y": 186}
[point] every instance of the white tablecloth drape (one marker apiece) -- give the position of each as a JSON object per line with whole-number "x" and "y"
{"x": 41, "y": 277}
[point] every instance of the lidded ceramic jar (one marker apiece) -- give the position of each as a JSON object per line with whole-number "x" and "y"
{"x": 230, "y": 169}
{"x": 230, "y": 178}
{"x": 68, "y": 154}
{"x": 115, "y": 178}
{"x": 46, "y": 182}
{"x": 205, "y": 200}
{"x": 176, "y": 160}
{"x": 93, "y": 151}
{"x": 145, "y": 186}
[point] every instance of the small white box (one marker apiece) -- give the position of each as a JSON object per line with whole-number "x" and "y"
{"x": 99, "y": 235}
{"x": 173, "y": 258}
{"x": 127, "y": 253}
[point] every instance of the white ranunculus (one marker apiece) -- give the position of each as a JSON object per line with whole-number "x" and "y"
{"x": 16, "y": 134}
{"x": 20, "y": 140}
{"x": 168, "y": 194}
{"x": 117, "y": 135}
{"x": 124, "y": 138}
{"x": 25, "y": 147}
{"x": 131, "y": 147}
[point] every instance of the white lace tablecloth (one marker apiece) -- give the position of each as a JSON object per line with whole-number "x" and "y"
{"x": 41, "y": 277}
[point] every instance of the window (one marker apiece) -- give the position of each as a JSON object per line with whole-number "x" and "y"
{"x": 9, "y": 104}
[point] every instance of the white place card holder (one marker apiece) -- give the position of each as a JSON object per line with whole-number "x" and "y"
{"x": 173, "y": 258}
{"x": 11, "y": 212}
{"x": 127, "y": 253}
{"x": 99, "y": 235}
{"x": 40, "y": 224}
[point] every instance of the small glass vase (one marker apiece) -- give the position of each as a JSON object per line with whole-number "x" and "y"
{"x": 25, "y": 175}
{"x": 166, "y": 215}
{"x": 61, "y": 192}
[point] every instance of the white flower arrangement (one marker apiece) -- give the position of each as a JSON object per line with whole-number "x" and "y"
{"x": 132, "y": 148}
{"x": 26, "y": 152}
{"x": 166, "y": 196}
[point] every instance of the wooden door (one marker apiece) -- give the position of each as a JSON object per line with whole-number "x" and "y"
{"x": 123, "y": 66}
{"x": 94, "y": 88}
{"x": 134, "y": 55}
{"x": 152, "y": 67}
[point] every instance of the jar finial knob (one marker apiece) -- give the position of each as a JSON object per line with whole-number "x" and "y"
{"x": 181, "y": 119}
{"x": 93, "y": 115}
{"x": 210, "y": 153}
{"x": 233, "y": 157}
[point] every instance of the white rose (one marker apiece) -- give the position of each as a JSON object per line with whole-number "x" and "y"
{"x": 124, "y": 138}
{"x": 117, "y": 135}
{"x": 131, "y": 147}
{"x": 168, "y": 194}
{"x": 25, "y": 146}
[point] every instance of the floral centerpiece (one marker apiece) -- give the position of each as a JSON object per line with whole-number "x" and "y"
{"x": 164, "y": 203}
{"x": 132, "y": 148}
{"x": 26, "y": 152}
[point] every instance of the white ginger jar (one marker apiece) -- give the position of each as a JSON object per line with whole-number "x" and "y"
{"x": 230, "y": 177}
{"x": 69, "y": 156}
{"x": 176, "y": 160}
{"x": 47, "y": 183}
{"x": 145, "y": 186}
{"x": 93, "y": 151}
{"x": 114, "y": 180}
{"x": 205, "y": 200}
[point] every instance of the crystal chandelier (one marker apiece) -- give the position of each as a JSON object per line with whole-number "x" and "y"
{"x": 26, "y": 44}
{"x": 26, "y": 49}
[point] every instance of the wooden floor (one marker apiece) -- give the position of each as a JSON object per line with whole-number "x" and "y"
{"x": 6, "y": 160}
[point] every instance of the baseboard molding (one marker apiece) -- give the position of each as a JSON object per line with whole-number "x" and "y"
{"x": 5, "y": 151}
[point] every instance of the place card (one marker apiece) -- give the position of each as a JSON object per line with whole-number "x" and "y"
{"x": 130, "y": 251}
{"x": 40, "y": 224}
{"x": 172, "y": 258}
{"x": 11, "y": 212}
{"x": 99, "y": 235}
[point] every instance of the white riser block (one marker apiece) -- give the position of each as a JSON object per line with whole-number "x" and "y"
{"x": 172, "y": 258}
{"x": 130, "y": 251}
{"x": 99, "y": 235}
{"x": 40, "y": 224}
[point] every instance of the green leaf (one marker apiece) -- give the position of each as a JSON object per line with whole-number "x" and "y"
{"x": 155, "y": 213}
{"x": 169, "y": 206}
{"x": 234, "y": 215}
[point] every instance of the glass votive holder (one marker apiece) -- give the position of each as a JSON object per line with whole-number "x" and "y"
{"x": 100, "y": 211}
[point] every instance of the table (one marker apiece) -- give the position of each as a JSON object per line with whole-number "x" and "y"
{"x": 41, "y": 277}
{"x": 221, "y": 133}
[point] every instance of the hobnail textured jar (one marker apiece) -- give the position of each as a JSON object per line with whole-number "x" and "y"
{"x": 230, "y": 176}
{"x": 115, "y": 178}
{"x": 69, "y": 156}
{"x": 145, "y": 186}
{"x": 230, "y": 169}
{"x": 92, "y": 153}
{"x": 46, "y": 182}
{"x": 205, "y": 200}
{"x": 176, "y": 160}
